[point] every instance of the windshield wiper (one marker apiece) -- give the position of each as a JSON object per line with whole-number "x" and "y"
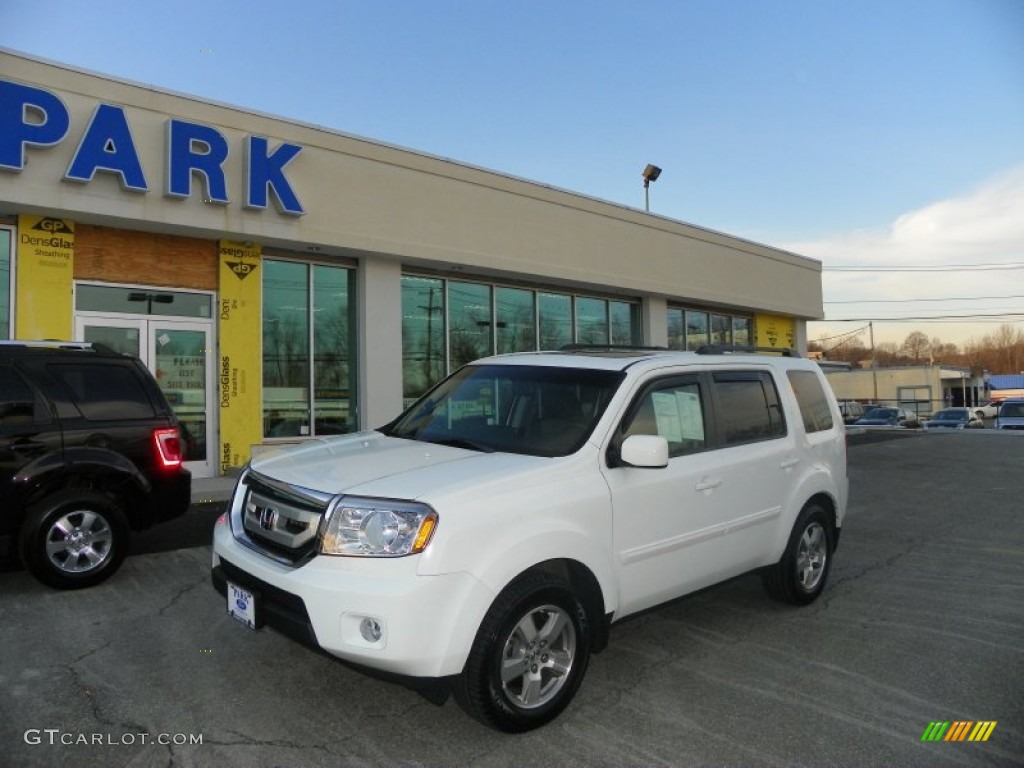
{"x": 460, "y": 442}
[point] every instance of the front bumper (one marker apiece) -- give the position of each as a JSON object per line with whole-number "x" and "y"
{"x": 428, "y": 623}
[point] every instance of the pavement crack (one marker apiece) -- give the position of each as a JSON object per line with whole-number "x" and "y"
{"x": 245, "y": 740}
{"x": 181, "y": 593}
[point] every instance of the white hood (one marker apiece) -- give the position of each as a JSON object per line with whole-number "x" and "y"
{"x": 368, "y": 463}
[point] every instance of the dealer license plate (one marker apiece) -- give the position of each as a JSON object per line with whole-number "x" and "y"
{"x": 242, "y": 605}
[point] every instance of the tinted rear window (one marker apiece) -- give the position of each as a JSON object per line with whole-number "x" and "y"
{"x": 749, "y": 404}
{"x": 810, "y": 395}
{"x": 105, "y": 392}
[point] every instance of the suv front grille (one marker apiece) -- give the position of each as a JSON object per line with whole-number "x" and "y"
{"x": 279, "y": 520}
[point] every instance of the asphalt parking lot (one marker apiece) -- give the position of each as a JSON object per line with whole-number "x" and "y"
{"x": 923, "y": 621}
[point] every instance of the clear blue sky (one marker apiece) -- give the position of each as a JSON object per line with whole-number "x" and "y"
{"x": 857, "y": 132}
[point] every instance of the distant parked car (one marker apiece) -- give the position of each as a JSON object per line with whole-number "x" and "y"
{"x": 851, "y": 410}
{"x": 986, "y": 411}
{"x": 955, "y": 418}
{"x": 886, "y": 416}
{"x": 1011, "y": 415}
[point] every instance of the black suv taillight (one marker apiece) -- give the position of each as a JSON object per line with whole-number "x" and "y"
{"x": 168, "y": 447}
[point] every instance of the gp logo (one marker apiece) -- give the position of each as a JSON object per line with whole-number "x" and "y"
{"x": 53, "y": 226}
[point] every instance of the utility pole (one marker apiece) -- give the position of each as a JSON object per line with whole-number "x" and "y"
{"x": 874, "y": 363}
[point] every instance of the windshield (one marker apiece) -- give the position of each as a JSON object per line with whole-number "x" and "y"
{"x": 880, "y": 413}
{"x": 536, "y": 410}
{"x": 951, "y": 416}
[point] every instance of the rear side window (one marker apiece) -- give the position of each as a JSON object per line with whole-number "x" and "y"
{"x": 105, "y": 392}
{"x": 748, "y": 404}
{"x": 19, "y": 404}
{"x": 810, "y": 395}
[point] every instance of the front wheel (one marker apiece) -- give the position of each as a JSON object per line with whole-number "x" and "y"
{"x": 529, "y": 656}
{"x": 800, "y": 575}
{"x": 73, "y": 539}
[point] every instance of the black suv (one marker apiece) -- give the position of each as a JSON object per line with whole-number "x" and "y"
{"x": 89, "y": 450}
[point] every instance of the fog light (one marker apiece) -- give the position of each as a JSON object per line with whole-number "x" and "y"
{"x": 370, "y": 630}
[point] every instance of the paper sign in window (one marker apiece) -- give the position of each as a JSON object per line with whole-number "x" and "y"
{"x": 678, "y": 415}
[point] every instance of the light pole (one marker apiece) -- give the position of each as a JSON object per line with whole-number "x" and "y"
{"x": 651, "y": 173}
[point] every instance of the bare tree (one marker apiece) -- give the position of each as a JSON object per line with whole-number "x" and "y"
{"x": 1000, "y": 352}
{"x": 916, "y": 346}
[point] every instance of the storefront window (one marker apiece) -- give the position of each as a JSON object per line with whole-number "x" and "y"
{"x": 702, "y": 328}
{"x": 285, "y": 349}
{"x": 741, "y": 331}
{"x": 470, "y": 330}
{"x": 625, "y": 321}
{"x": 591, "y": 321}
{"x": 6, "y": 240}
{"x": 140, "y": 301}
{"x": 423, "y": 359}
{"x": 721, "y": 329}
{"x": 555, "y": 320}
{"x": 516, "y": 319}
{"x": 697, "y": 329}
{"x": 474, "y": 320}
{"x": 306, "y": 307}
{"x": 333, "y": 352}
{"x": 676, "y": 336}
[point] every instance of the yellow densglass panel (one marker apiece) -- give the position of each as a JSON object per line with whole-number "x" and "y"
{"x": 239, "y": 374}
{"x": 44, "y": 304}
{"x": 776, "y": 331}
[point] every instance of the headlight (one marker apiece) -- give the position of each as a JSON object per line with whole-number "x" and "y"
{"x": 377, "y": 528}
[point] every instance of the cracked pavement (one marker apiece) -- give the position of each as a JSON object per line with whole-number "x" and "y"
{"x": 923, "y": 620}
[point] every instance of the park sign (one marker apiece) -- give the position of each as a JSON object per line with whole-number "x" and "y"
{"x": 37, "y": 118}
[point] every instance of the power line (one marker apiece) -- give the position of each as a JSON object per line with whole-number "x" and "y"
{"x": 856, "y": 332}
{"x": 1005, "y": 317}
{"x": 926, "y": 268}
{"x": 902, "y": 301}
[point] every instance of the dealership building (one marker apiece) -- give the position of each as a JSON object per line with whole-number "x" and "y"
{"x": 285, "y": 281}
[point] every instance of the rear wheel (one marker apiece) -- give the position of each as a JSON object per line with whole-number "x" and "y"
{"x": 800, "y": 575}
{"x": 73, "y": 539}
{"x": 529, "y": 656}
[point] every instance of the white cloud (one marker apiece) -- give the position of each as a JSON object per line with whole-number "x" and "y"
{"x": 984, "y": 226}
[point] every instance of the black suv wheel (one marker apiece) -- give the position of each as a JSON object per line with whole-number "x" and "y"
{"x": 73, "y": 539}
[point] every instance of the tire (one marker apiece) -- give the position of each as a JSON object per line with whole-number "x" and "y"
{"x": 800, "y": 575}
{"x": 537, "y": 634}
{"x": 73, "y": 539}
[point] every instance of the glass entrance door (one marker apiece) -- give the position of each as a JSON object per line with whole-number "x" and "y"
{"x": 179, "y": 354}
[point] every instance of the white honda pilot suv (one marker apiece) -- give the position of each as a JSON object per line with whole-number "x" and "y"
{"x": 484, "y": 541}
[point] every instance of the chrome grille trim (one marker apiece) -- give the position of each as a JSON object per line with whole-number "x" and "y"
{"x": 277, "y": 520}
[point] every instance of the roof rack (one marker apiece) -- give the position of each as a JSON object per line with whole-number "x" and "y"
{"x": 93, "y": 346}
{"x": 728, "y": 349}
{"x": 609, "y": 348}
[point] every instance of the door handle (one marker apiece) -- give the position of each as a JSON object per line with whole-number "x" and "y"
{"x": 788, "y": 463}
{"x": 708, "y": 484}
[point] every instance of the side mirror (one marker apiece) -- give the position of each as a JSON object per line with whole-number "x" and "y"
{"x": 645, "y": 451}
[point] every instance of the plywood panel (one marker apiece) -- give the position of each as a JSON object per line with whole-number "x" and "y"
{"x": 145, "y": 258}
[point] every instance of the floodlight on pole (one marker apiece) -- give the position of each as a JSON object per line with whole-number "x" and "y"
{"x": 651, "y": 173}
